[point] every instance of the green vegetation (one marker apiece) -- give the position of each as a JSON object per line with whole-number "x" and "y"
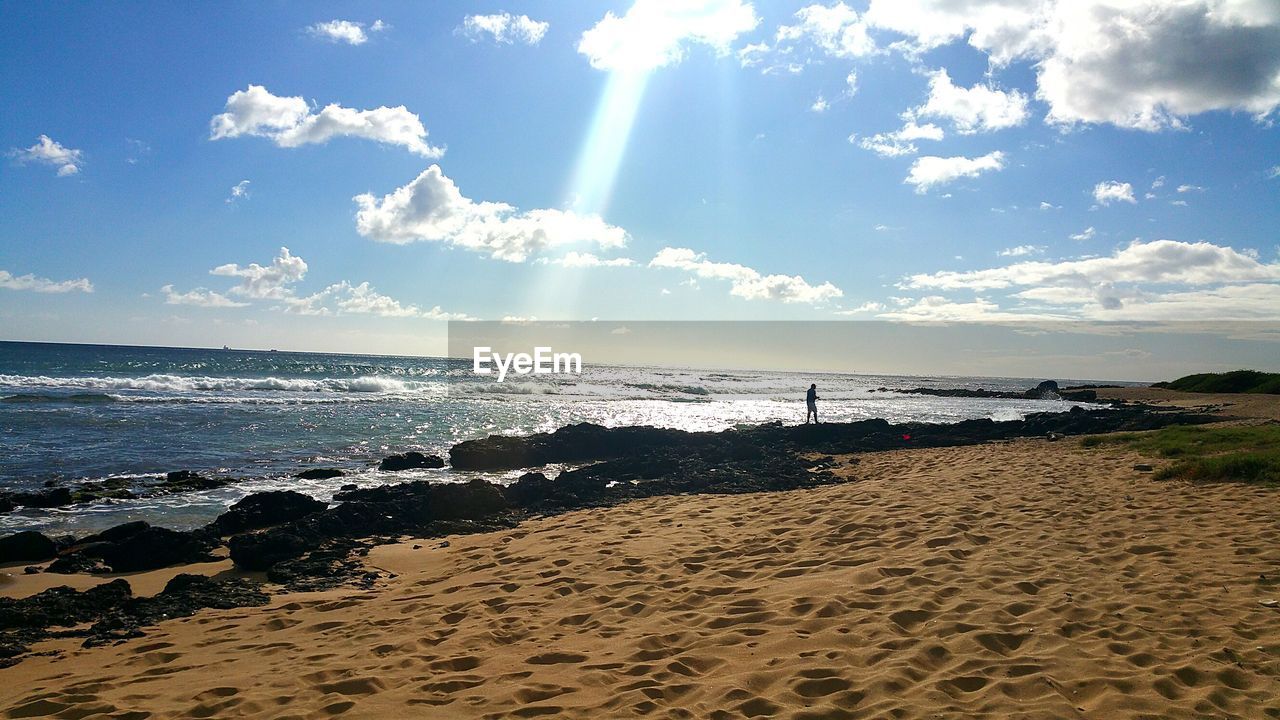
{"x": 1236, "y": 381}
{"x": 1248, "y": 453}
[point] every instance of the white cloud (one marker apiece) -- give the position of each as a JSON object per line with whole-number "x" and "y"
{"x": 935, "y": 308}
{"x": 1274, "y": 172}
{"x": 1155, "y": 262}
{"x": 930, "y": 170}
{"x": 1049, "y": 206}
{"x": 977, "y": 109}
{"x": 50, "y": 152}
{"x": 900, "y": 141}
{"x": 1157, "y": 183}
{"x": 505, "y": 28}
{"x": 289, "y": 122}
{"x": 1086, "y": 234}
{"x": 656, "y": 33}
{"x": 431, "y": 208}
{"x": 752, "y": 54}
{"x": 343, "y": 298}
{"x": 345, "y": 31}
{"x": 1105, "y": 193}
{"x": 866, "y": 307}
{"x": 199, "y": 297}
{"x": 1190, "y": 188}
{"x": 837, "y": 30}
{"x": 575, "y": 259}
{"x": 851, "y": 83}
{"x": 1145, "y": 64}
{"x": 9, "y": 281}
{"x": 744, "y": 281}
{"x": 820, "y": 105}
{"x": 1021, "y": 250}
{"x": 238, "y": 191}
{"x": 266, "y": 283}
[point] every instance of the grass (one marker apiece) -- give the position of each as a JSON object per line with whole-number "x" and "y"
{"x": 1236, "y": 381}
{"x": 1245, "y": 453}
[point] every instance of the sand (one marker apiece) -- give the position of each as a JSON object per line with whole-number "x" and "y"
{"x": 1026, "y": 579}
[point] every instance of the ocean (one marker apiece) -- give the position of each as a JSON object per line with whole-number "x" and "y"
{"x": 71, "y": 414}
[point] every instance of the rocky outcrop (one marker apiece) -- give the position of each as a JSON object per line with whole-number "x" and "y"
{"x": 26, "y": 546}
{"x": 319, "y": 474}
{"x": 410, "y": 461}
{"x": 264, "y": 509}
{"x": 589, "y": 443}
{"x": 416, "y": 507}
{"x": 132, "y": 547}
{"x": 113, "y": 610}
{"x": 117, "y": 488}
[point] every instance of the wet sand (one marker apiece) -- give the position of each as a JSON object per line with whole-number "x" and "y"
{"x": 1026, "y": 579}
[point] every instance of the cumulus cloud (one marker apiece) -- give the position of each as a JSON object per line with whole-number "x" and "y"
{"x": 30, "y": 282}
{"x": 901, "y": 141}
{"x": 575, "y": 259}
{"x": 980, "y": 108}
{"x": 744, "y": 281}
{"x": 269, "y": 282}
{"x": 48, "y": 151}
{"x": 1190, "y": 188}
{"x": 657, "y": 33}
{"x": 345, "y": 298}
{"x": 1155, "y": 262}
{"x": 345, "y": 31}
{"x": 200, "y": 297}
{"x": 929, "y": 171}
{"x": 820, "y": 105}
{"x": 1105, "y": 193}
{"x": 1143, "y": 64}
{"x": 866, "y": 307}
{"x": 290, "y": 122}
{"x": 837, "y": 30}
{"x": 504, "y": 28}
{"x": 238, "y": 191}
{"x": 431, "y": 208}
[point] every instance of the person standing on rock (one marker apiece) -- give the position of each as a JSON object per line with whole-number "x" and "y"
{"x": 811, "y": 399}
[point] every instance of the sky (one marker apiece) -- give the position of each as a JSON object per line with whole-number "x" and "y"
{"x": 330, "y": 177}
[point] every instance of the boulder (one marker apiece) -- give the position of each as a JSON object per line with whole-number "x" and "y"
{"x": 153, "y": 548}
{"x": 320, "y": 474}
{"x": 409, "y": 461}
{"x": 261, "y": 550}
{"x": 26, "y": 546}
{"x": 1046, "y": 390}
{"x": 264, "y": 509}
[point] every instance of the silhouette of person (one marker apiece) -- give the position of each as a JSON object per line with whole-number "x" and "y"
{"x": 811, "y": 399}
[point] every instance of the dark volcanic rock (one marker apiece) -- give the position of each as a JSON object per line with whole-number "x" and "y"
{"x": 186, "y": 480}
{"x": 573, "y": 443}
{"x": 116, "y": 534}
{"x": 51, "y": 498}
{"x": 409, "y": 461}
{"x": 62, "y": 606}
{"x": 263, "y": 509}
{"x": 154, "y": 548}
{"x": 26, "y": 546}
{"x": 182, "y": 596}
{"x": 320, "y": 474}
{"x": 261, "y": 550}
{"x": 1047, "y": 390}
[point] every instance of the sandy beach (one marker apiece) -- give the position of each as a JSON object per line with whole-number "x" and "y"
{"x": 1020, "y": 579}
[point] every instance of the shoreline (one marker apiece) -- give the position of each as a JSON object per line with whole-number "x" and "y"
{"x": 1021, "y": 576}
{"x": 302, "y": 544}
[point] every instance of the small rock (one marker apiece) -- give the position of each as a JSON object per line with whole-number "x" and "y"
{"x": 1269, "y": 603}
{"x": 1143, "y": 468}
{"x": 319, "y": 474}
{"x": 409, "y": 461}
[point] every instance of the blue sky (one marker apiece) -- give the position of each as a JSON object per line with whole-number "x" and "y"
{"x": 1098, "y": 160}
